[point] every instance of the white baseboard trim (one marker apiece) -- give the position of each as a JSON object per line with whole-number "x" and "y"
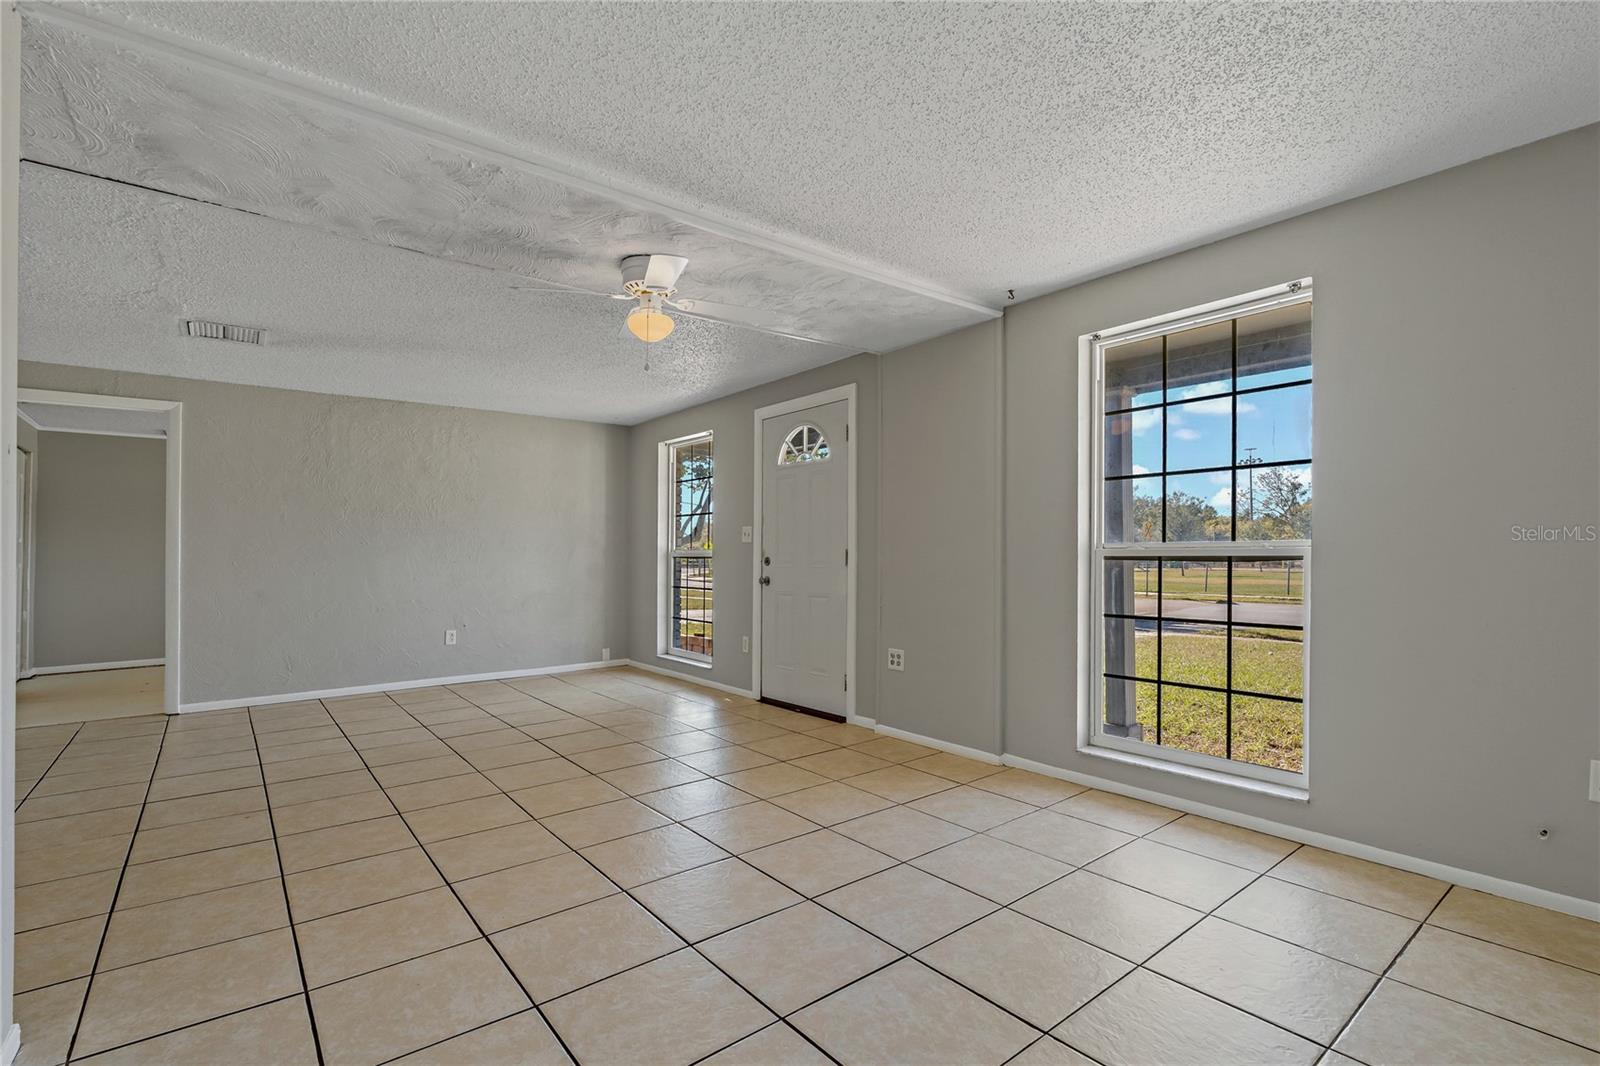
{"x": 1522, "y": 893}
{"x": 390, "y": 686}
{"x": 89, "y": 668}
{"x": 12, "y": 1044}
{"x": 690, "y": 678}
{"x": 962, "y": 750}
{"x": 861, "y": 720}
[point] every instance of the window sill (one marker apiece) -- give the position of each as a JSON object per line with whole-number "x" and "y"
{"x": 699, "y": 664}
{"x": 1245, "y": 784}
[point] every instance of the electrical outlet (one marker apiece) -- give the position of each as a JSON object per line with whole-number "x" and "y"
{"x": 897, "y": 659}
{"x": 1594, "y": 780}
{"x": 605, "y": 655}
{"x": 746, "y": 643}
{"x": 746, "y": 534}
{"x": 450, "y": 637}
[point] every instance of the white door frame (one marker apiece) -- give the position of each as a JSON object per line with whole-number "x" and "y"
{"x": 26, "y": 526}
{"x": 174, "y": 558}
{"x": 801, "y": 403}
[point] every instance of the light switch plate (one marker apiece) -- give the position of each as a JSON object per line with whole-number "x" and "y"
{"x": 746, "y": 534}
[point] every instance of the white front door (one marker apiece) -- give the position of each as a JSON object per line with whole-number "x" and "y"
{"x": 805, "y": 493}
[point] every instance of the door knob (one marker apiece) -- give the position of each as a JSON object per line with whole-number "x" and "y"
{"x": 765, "y": 580}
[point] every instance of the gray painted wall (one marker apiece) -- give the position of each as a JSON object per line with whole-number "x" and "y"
{"x": 1454, "y": 698}
{"x": 732, "y": 422}
{"x": 330, "y": 541}
{"x": 100, "y": 546}
{"x": 940, "y": 553}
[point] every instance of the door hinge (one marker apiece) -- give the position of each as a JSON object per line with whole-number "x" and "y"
{"x": 847, "y": 557}
{"x": 847, "y": 682}
{"x": 847, "y": 431}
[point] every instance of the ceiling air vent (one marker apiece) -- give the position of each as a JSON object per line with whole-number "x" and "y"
{"x": 222, "y": 331}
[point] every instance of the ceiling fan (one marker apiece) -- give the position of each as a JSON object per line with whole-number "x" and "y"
{"x": 651, "y": 282}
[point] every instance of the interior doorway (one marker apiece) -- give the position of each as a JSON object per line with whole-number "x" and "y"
{"x": 98, "y": 556}
{"x": 804, "y": 633}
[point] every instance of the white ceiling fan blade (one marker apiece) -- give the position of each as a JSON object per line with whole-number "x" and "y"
{"x": 748, "y": 317}
{"x": 742, "y": 316}
{"x": 572, "y": 291}
{"x": 664, "y": 271}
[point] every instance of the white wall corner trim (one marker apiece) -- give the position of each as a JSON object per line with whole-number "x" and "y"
{"x": 12, "y": 1044}
{"x": 86, "y": 668}
{"x": 703, "y": 682}
{"x": 975, "y": 754}
{"x": 391, "y": 686}
{"x": 1515, "y": 890}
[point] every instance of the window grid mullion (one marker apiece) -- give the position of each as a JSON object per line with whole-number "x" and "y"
{"x": 1163, "y": 536}
{"x": 1292, "y": 555}
{"x": 1251, "y": 391}
{"x": 1161, "y": 599}
{"x": 1227, "y": 632}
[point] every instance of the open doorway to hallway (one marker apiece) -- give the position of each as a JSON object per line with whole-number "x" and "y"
{"x": 94, "y": 546}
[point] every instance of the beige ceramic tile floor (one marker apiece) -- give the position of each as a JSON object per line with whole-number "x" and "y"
{"x": 614, "y": 867}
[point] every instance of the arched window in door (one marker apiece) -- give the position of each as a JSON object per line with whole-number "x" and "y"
{"x": 804, "y": 444}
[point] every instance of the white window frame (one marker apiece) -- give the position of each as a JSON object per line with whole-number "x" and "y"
{"x": 1092, "y": 550}
{"x": 667, "y": 514}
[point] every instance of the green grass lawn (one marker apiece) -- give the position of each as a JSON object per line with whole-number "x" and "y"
{"x": 1271, "y": 585}
{"x": 1266, "y": 732}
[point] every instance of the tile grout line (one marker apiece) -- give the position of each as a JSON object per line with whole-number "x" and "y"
{"x": 687, "y": 945}
{"x": 186, "y": 1026}
{"x": 88, "y": 988}
{"x": 1399, "y": 954}
{"x": 1136, "y": 965}
{"x": 512, "y": 973}
{"x": 283, "y": 885}
{"x": 784, "y": 1018}
{"x": 1385, "y": 974}
{"x": 903, "y": 955}
{"x": 803, "y": 898}
{"x": 1257, "y": 875}
{"x": 31, "y": 788}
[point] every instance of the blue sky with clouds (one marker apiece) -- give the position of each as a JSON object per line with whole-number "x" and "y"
{"x": 1276, "y": 424}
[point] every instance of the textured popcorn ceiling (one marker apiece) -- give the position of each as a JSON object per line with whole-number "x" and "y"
{"x": 872, "y": 172}
{"x": 108, "y": 272}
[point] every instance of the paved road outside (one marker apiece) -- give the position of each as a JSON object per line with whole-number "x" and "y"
{"x": 1283, "y": 614}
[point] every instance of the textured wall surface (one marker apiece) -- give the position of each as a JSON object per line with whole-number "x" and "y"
{"x": 1454, "y": 691}
{"x": 939, "y": 560}
{"x": 1454, "y": 681}
{"x": 732, "y": 423}
{"x": 330, "y": 542}
{"x": 100, "y": 549}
